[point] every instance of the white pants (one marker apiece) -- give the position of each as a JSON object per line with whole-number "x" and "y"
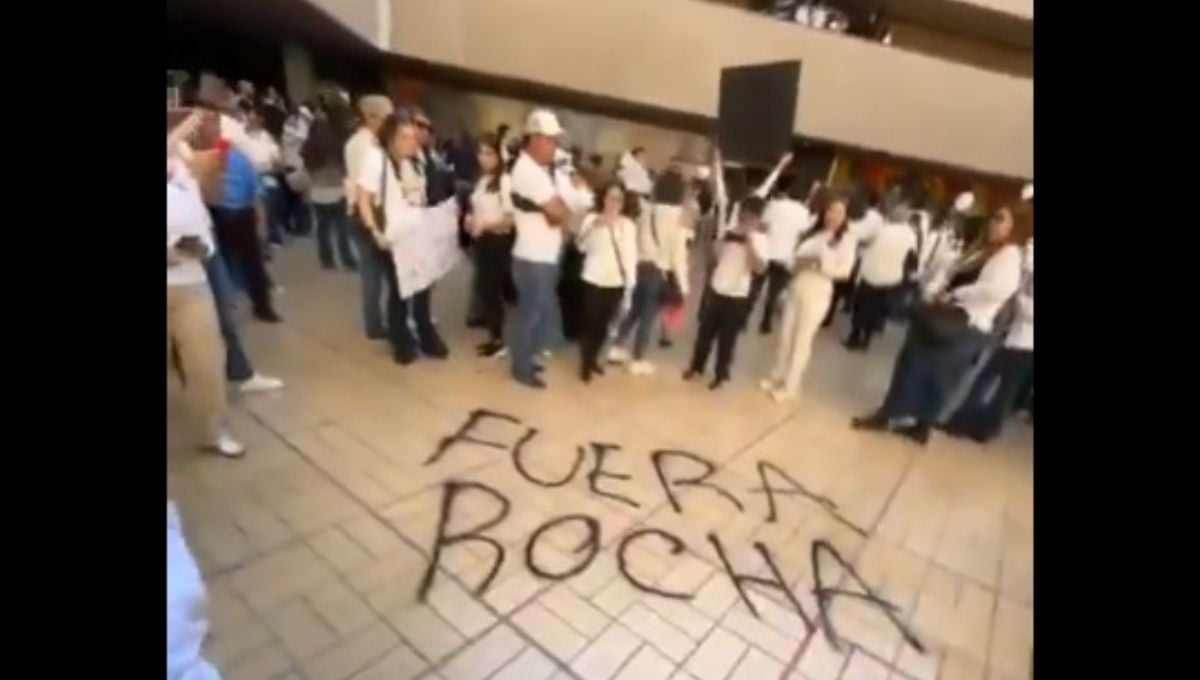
{"x": 808, "y": 300}
{"x": 186, "y": 606}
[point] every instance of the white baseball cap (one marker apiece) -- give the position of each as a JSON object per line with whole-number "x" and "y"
{"x": 964, "y": 202}
{"x": 543, "y": 122}
{"x": 1027, "y": 192}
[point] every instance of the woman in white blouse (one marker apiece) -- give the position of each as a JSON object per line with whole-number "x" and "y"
{"x": 490, "y": 223}
{"x": 392, "y": 182}
{"x": 825, "y": 255}
{"x": 608, "y": 241}
{"x": 947, "y": 333}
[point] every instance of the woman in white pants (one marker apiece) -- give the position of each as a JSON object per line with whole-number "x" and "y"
{"x": 825, "y": 254}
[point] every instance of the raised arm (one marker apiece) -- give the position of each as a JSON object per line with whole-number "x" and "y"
{"x": 772, "y": 179}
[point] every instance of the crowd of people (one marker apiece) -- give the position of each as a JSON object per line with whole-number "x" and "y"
{"x": 564, "y": 249}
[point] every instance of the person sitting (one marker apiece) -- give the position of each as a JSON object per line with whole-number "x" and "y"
{"x": 948, "y": 333}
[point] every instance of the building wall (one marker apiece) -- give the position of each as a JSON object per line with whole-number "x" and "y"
{"x": 937, "y": 43}
{"x": 853, "y": 92}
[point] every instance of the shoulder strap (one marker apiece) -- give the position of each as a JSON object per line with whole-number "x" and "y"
{"x": 617, "y": 251}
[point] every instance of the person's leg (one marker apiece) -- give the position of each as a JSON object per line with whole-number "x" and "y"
{"x": 569, "y": 291}
{"x": 276, "y": 214}
{"x": 487, "y": 288}
{"x": 705, "y": 335}
{"x": 431, "y": 342}
{"x": 787, "y": 339}
{"x": 592, "y": 329}
{"x": 325, "y": 234}
{"x": 404, "y": 345}
{"x": 908, "y": 381}
{"x": 246, "y": 249}
{"x": 341, "y": 231}
{"x": 237, "y": 365}
{"x": 548, "y": 323}
{"x": 777, "y": 280}
{"x": 647, "y": 317}
{"x": 1014, "y": 367}
{"x": 813, "y": 301}
{"x": 194, "y": 333}
{"x": 524, "y": 328}
{"x": 371, "y": 274}
{"x": 734, "y": 312}
{"x": 757, "y": 283}
{"x": 946, "y": 366}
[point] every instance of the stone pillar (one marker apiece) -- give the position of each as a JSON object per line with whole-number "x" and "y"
{"x": 300, "y": 82}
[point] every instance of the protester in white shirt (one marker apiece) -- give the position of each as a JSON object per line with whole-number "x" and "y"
{"x": 609, "y": 242}
{"x": 373, "y": 110}
{"x": 825, "y": 255}
{"x": 391, "y": 184}
{"x": 662, "y": 270}
{"x": 865, "y": 223}
{"x": 884, "y": 265}
{"x": 194, "y": 343}
{"x": 786, "y": 218}
{"x": 542, "y": 203}
{"x": 996, "y": 389}
{"x": 946, "y": 335}
{"x": 741, "y": 253}
{"x": 490, "y": 224}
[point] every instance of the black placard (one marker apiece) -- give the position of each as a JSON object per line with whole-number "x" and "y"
{"x": 757, "y": 111}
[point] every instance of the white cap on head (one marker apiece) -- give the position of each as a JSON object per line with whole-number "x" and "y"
{"x": 543, "y": 122}
{"x": 702, "y": 173}
{"x": 964, "y": 202}
{"x": 1027, "y": 192}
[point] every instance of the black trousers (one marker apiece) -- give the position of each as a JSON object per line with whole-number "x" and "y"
{"x": 870, "y": 312}
{"x": 493, "y": 280}
{"x": 775, "y": 279}
{"x": 404, "y": 345}
{"x": 843, "y": 292}
{"x": 721, "y": 321}
{"x": 599, "y": 308}
{"x": 570, "y": 291}
{"x": 237, "y": 239}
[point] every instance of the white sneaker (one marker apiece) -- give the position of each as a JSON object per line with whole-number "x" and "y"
{"x": 227, "y": 446}
{"x": 617, "y": 355}
{"x": 260, "y": 383}
{"x": 767, "y": 385}
{"x": 546, "y": 354}
{"x": 780, "y": 394}
{"x": 641, "y": 368}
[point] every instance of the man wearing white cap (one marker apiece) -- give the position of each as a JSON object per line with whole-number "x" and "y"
{"x": 542, "y": 211}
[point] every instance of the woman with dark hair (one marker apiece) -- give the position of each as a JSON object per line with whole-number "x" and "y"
{"x": 490, "y": 222}
{"x": 662, "y": 272}
{"x": 608, "y": 241}
{"x": 392, "y": 183}
{"x": 825, "y": 255}
{"x": 325, "y": 165}
{"x": 947, "y": 333}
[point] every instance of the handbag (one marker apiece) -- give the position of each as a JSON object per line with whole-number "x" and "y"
{"x": 671, "y": 293}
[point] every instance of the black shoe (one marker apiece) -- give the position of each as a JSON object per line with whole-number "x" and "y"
{"x": 717, "y": 382}
{"x": 267, "y": 316}
{"x": 876, "y": 422}
{"x": 475, "y": 322}
{"x": 433, "y": 347}
{"x": 918, "y": 433}
{"x": 377, "y": 335}
{"x": 328, "y": 266}
{"x": 491, "y": 349}
{"x": 597, "y": 369}
{"x": 585, "y": 373}
{"x": 404, "y": 356}
{"x": 691, "y": 374}
{"x": 533, "y": 381}
{"x": 665, "y": 343}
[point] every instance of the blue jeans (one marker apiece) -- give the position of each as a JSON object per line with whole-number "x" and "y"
{"x": 374, "y": 280}
{"x": 644, "y": 308}
{"x": 273, "y": 199}
{"x": 926, "y": 374}
{"x": 537, "y": 298}
{"x": 981, "y": 417}
{"x": 333, "y": 223}
{"x": 237, "y": 364}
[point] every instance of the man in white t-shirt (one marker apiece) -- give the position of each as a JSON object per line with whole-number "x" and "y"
{"x": 885, "y": 263}
{"x": 541, "y": 212}
{"x": 373, "y": 110}
{"x": 786, "y": 218}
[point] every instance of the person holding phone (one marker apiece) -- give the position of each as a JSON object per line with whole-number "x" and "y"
{"x": 608, "y": 241}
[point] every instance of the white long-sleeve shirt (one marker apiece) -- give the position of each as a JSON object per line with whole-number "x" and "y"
{"x": 883, "y": 259}
{"x": 663, "y": 239}
{"x": 786, "y": 220}
{"x": 997, "y": 282}
{"x": 835, "y": 260}
{"x": 1020, "y": 335}
{"x": 722, "y": 197}
{"x": 187, "y": 216}
{"x": 634, "y": 175}
{"x": 610, "y": 252}
{"x": 732, "y": 275}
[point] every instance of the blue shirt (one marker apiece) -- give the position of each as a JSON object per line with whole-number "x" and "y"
{"x": 240, "y": 183}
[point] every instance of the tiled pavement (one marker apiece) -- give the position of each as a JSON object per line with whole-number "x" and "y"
{"x": 314, "y": 545}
